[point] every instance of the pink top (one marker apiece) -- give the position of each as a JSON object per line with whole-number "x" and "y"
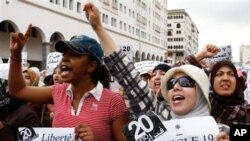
{"x": 98, "y": 114}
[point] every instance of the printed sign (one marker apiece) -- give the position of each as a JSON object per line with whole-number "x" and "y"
{"x": 225, "y": 53}
{"x": 53, "y": 60}
{"x": 149, "y": 128}
{"x": 190, "y": 129}
{"x": 128, "y": 50}
{"x": 4, "y": 67}
{"x": 4, "y": 70}
{"x": 146, "y": 128}
{"x": 146, "y": 66}
{"x": 45, "y": 134}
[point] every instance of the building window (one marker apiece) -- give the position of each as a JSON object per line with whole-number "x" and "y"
{"x": 71, "y": 4}
{"x": 114, "y": 4}
{"x": 125, "y": 26}
{"x": 169, "y": 33}
{"x": 113, "y": 22}
{"x": 120, "y": 24}
{"x": 125, "y": 9}
{"x": 178, "y": 25}
{"x": 65, "y": 4}
{"x": 105, "y": 18}
{"x": 79, "y": 7}
{"x": 121, "y": 7}
{"x": 58, "y": 2}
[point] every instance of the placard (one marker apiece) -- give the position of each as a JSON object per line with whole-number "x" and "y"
{"x": 128, "y": 49}
{"x": 53, "y": 60}
{"x": 146, "y": 66}
{"x": 149, "y": 127}
{"x": 145, "y": 128}
{"x": 45, "y": 134}
{"x": 4, "y": 67}
{"x": 225, "y": 53}
{"x": 202, "y": 128}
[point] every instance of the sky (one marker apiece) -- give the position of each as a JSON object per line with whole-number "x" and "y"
{"x": 220, "y": 22}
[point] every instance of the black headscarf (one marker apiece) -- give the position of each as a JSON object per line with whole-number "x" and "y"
{"x": 237, "y": 97}
{"x": 162, "y": 67}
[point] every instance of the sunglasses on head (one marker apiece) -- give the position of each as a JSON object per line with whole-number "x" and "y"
{"x": 184, "y": 81}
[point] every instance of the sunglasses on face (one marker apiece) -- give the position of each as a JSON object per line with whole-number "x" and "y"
{"x": 184, "y": 81}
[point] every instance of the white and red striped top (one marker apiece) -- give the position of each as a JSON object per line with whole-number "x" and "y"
{"x": 98, "y": 114}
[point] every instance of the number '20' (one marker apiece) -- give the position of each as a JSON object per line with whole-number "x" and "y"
{"x": 140, "y": 125}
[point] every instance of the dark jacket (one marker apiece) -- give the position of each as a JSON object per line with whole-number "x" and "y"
{"x": 23, "y": 116}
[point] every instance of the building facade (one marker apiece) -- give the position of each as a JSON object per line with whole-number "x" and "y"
{"x": 137, "y": 26}
{"x": 244, "y": 55}
{"x": 182, "y": 35}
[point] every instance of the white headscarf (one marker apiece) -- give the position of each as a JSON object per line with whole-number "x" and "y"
{"x": 202, "y": 106}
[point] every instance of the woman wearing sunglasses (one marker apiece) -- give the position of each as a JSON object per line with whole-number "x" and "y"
{"x": 185, "y": 88}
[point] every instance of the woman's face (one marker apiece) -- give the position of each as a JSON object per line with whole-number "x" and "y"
{"x": 26, "y": 77}
{"x": 57, "y": 76}
{"x": 155, "y": 80}
{"x": 182, "y": 99}
{"x": 224, "y": 81}
{"x": 75, "y": 67}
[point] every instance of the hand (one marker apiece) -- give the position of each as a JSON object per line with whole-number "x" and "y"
{"x": 93, "y": 15}
{"x": 51, "y": 115}
{"x": 208, "y": 51}
{"x": 17, "y": 42}
{"x": 222, "y": 136}
{"x": 1, "y": 125}
{"x": 84, "y": 132}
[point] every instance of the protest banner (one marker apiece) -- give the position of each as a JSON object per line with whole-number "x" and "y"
{"x": 53, "y": 60}
{"x": 45, "y": 134}
{"x": 225, "y": 53}
{"x": 148, "y": 127}
{"x": 127, "y": 49}
{"x": 4, "y": 67}
{"x": 146, "y": 66}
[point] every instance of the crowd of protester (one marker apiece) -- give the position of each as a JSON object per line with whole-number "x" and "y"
{"x": 80, "y": 86}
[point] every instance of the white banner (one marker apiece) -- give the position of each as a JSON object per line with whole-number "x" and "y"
{"x": 190, "y": 129}
{"x": 146, "y": 66}
{"x": 4, "y": 71}
{"x": 150, "y": 128}
{"x": 53, "y": 60}
{"x": 225, "y": 53}
{"x": 45, "y": 134}
{"x": 128, "y": 50}
{"x": 4, "y": 67}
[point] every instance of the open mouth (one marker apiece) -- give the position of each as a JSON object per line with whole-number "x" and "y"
{"x": 178, "y": 98}
{"x": 225, "y": 86}
{"x": 64, "y": 70}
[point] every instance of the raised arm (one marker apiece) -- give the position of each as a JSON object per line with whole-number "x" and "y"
{"x": 138, "y": 97}
{"x": 17, "y": 86}
{"x": 93, "y": 15}
{"x": 208, "y": 51}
